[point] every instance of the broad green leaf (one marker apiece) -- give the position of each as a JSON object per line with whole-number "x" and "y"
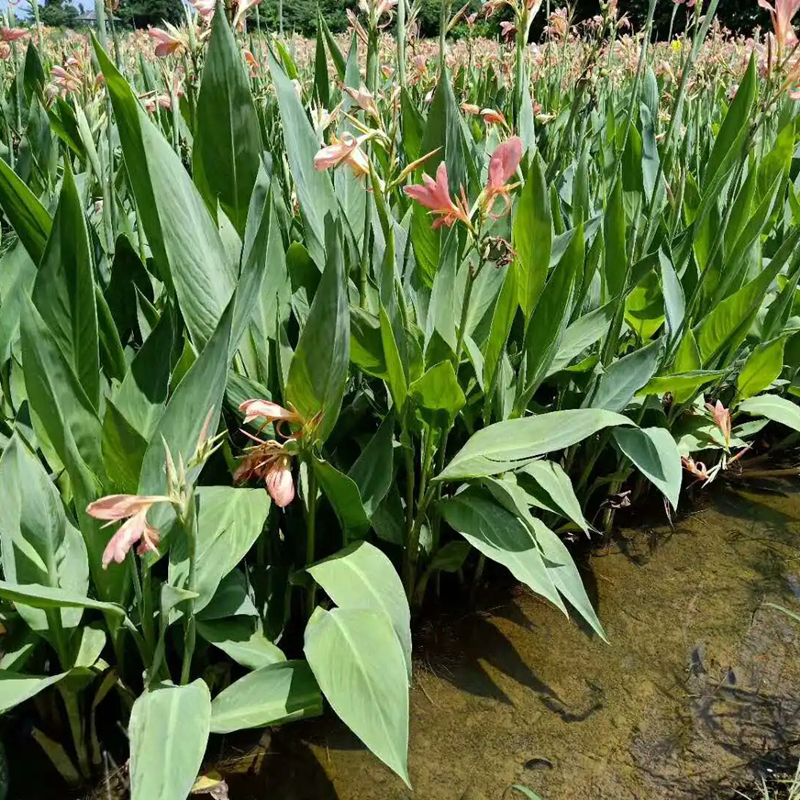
{"x": 64, "y": 289}
{"x": 546, "y": 327}
{"x": 674, "y": 301}
{"x": 512, "y": 444}
{"x": 272, "y": 695}
{"x": 773, "y": 407}
{"x": 615, "y": 265}
{"x": 361, "y": 576}
{"x": 450, "y": 558}
{"x": 318, "y": 372}
{"x": 198, "y": 394}
{"x": 395, "y": 373}
{"x": 48, "y": 597}
{"x": 343, "y": 494}
{"x": 227, "y": 141}
{"x": 231, "y": 599}
{"x": 373, "y": 471}
{"x": 359, "y": 664}
{"x": 314, "y": 190}
{"x": 625, "y": 377}
{"x": 168, "y": 732}
{"x": 502, "y": 319}
{"x": 555, "y": 490}
{"x": 681, "y": 385}
{"x": 437, "y": 394}
{"x": 186, "y": 245}
{"x": 735, "y": 124}
{"x": 763, "y": 366}
{"x": 16, "y": 688}
{"x": 654, "y": 453}
{"x": 26, "y": 215}
{"x": 228, "y": 523}
{"x": 501, "y": 536}
{"x": 241, "y": 639}
{"x": 39, "y": 545}
{"x": 532, "y": 237}
{"x": 581, "y": 334}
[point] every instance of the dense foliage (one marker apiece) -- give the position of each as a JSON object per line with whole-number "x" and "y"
{"x": 308, "y": 341}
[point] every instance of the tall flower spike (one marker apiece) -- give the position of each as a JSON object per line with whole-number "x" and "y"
{"x": 133, "y": 508}
{"x": 502, "y": 166}
{"x": 435, "y": 195}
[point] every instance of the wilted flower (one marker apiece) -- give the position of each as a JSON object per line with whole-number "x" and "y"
{"x": 269, "y": 461}
{"x": 435, "y": 195}
{"x": 346, "y": 150}
{"x": 502, "y": 166}
{"x": 508, "y": 30}
{"x": 242, "y": 7}
{"x": 365, "y": 100}
{"x": 470, "y": 108}
{"x": 133, "y": 508}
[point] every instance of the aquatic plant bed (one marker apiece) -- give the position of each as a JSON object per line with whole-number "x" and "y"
{"x": 300, "y": 344}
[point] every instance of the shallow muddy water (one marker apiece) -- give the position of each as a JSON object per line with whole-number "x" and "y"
{"x": 698, "y": 688}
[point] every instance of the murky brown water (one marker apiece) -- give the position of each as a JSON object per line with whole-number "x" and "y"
{"x": 700, "y": 680}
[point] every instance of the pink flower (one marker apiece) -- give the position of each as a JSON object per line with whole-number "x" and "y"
{"x": 278, "y": 480}
{"x": 205, "y": 8}
{"x": 722, "y": 419}
{"x": 12, "y": 34}
{"x": 269, "y": 412}
{"x": 471, "y": 109}
{"x": 508, "y": 30}
{"x": 344, "y": 151}
{"x": 133, "y": 508}
{"x": 782, "y": 13}
{"x": 502, "y": 166}
{"x": 435, "y": 195}
{"x": 167, "y": 44}
{"x": 365, "y": 100}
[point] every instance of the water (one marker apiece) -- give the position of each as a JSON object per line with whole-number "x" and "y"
{"x": 698, "y": 690}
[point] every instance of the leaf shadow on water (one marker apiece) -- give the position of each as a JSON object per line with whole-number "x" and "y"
{"x": 284, "y": 766}
{"x": 467, "y": 650}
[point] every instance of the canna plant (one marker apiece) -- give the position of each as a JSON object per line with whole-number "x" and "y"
{"x": 312, "y": 342}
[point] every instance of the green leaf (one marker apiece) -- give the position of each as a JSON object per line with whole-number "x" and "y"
{"x": 186, "y": 245}
{"x": 625, "y": 377}
{"x": 318, "y": 372}
{"x": 26, "y": 215}
{"x": 361, "y": 576}
{"x": 64, "y": 289}
{"x": 532, "y": 237}
{"x": 198, "y": 394}
{"x": 231, "y": 599}
{"x": 359, "y": 664}
{"x": 272, "y": 695}
{"x": 502, "y": 318}
{"x": 778, "y": 409}
{"x": 314, "y": 190}
{"x": 48, "y": 597}
{"x": 581, "y": 334}
{"x": 616, "y": 257}
{"x": 500, "y": 535}
{"x": 762, "y": 368}
{"x": 555, "y": 491}
{"x": 395, "y": 374}
{"x": 39, "y": 546}
{"x": 735, "y": 124}
{"x": 344, "y": 496}
{"x": 437, "y": 393}
{"x": 16, "y": 688}
{"x": 373, "y": 471}
{"x": 681, "y": 385}
{"x": 524, "y": 790}
{"x": 241, "y": 639}
{"x": 512, "y": 444}
{"x": 450, "y": 558}
{"x": 550, "y": 318}
{"x": 228, "y": 523}
{"x": 168, "y": 733}
{"x": 654, "y": 453}
{"x": 227, "y": 143}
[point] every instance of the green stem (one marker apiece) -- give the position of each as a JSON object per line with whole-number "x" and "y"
{"x": 188, "y": 522}
{"x": 311, "y": 532}
{"x": 76, "y": 729}
{"x": 400, "y": 31}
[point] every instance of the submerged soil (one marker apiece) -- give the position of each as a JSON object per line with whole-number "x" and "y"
{"x": 696, "y": 694}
